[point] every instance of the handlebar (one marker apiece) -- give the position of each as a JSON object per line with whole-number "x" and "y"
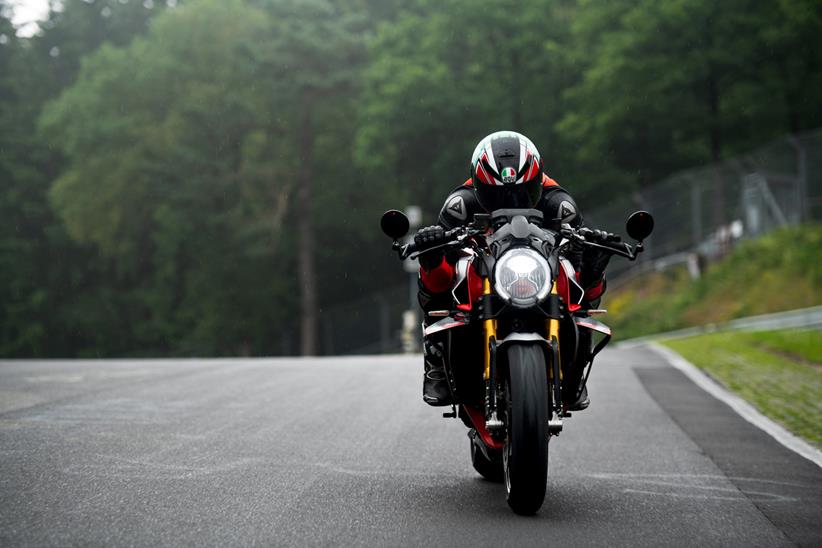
{"x": 585, "y": 236}
{"x": 611, "y": 242}
{"x": 449, "y": 238}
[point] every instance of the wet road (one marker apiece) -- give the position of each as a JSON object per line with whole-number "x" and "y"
{"x": 344, "y": 452}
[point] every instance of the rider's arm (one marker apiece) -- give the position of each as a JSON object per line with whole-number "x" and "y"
{"x": 559, "y": 207}
{"x": 436, "y": 273}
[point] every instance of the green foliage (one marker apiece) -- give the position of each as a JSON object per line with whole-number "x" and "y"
{"x": 445, "y": 74}
{"x": 150, "y": 157}
{"x": 782, "y": 388}
{"x": 41, "y": 269}
{"x": 777, "y": 272}
{"x": 183, "y": 162}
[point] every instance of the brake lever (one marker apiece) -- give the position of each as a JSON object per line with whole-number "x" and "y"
{"x": 626, "y": 251}
{"x": 458, "y": 239}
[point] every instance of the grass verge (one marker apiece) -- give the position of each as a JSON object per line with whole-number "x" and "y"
{"x": 777, "y": 272}
{"x": 776, "y": 371}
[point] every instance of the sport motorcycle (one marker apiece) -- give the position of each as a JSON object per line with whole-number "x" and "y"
{"x": 512, "y": 334}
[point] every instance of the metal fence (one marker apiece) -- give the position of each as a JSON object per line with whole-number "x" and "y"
{"x": 700, "y": 214}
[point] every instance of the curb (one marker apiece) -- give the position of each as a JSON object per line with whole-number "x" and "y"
{"x": 742, "y": 407}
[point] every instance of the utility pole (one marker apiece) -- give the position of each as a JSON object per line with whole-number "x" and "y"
{"x": 305, "y": 237}
{"x": 410, "y": 322}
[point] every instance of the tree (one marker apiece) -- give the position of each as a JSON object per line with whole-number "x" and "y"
{"x": 194, "y": 154}
{"x": 45, "y": 274}
{"x": 444, "y": 75}
{"x": 668, "y": 85}
{"x": 321, "y": 40}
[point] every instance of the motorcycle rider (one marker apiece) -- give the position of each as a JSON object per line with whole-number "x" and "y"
{"x": 506, "y": 172}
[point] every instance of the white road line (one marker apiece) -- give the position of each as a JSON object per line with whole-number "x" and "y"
{"x": 745, "y": 410}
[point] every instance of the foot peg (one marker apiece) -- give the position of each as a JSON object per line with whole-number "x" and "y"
{"x": 452, "y": 414}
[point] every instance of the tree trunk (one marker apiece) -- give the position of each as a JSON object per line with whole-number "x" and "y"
{"x": 515, "y": 94}
{"x": 719, "y": 213}
{"x": 305, "y": 227}
{"x": 714, "y": 124}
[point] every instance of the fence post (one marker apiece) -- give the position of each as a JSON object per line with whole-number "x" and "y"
{"x": 696, "y": 212}
{"x": 802, "y": 176}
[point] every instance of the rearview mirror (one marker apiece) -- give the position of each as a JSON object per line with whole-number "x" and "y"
{"x": 394, "y": 223}
{"x": 640, "y": 225}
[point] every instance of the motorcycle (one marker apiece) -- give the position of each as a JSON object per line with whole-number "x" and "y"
{"x": 513, "y": 333}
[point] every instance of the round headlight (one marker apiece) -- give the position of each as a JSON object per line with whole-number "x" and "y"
{"x": 522, "y": 277}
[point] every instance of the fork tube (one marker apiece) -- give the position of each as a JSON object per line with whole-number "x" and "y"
{"x": 490, "y": 329}
{"x": 553, "y": 321}
{"x": 555, "y": 372}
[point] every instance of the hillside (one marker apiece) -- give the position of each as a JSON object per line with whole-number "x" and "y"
{"x": 780, "y": 271}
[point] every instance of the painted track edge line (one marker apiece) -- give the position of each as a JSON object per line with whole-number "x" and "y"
{"x": 743, "y": 408}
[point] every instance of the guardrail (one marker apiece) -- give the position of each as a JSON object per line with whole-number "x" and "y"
{"x": 803, "y": 318}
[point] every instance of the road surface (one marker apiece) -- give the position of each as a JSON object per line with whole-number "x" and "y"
{"x": 343, "y": 452}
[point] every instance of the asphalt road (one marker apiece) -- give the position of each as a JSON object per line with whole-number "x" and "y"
{"x": 343, "y": 452}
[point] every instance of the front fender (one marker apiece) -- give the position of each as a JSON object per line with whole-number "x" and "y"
{"x": 524, "y": 337}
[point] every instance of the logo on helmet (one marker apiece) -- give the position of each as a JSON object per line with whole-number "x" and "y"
{"x": 509, "y": 175}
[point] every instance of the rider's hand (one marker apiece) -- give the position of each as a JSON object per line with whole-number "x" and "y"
{"x": 429, "y": 236}
{"x": 604, "y": 237}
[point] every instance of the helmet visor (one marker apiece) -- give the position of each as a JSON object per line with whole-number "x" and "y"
{"x": 518, "y": 196}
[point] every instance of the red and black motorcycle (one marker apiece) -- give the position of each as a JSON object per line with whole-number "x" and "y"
{"x": 512, "y": 334}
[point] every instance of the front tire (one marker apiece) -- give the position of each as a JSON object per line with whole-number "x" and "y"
{"x": 525, "y": 456}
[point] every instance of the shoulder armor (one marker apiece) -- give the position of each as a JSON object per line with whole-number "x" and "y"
{"x": 459, "y": 207}
{"x": 559, "y": 207}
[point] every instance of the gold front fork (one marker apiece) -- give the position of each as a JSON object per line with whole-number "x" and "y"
{"x": 553, "y": 332}
{"x": 490, "y": 328}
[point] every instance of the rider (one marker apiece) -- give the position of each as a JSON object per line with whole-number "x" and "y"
{"x": 506, "y": 172}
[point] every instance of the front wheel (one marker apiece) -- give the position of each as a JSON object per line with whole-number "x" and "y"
{"x": 525, "y": 456}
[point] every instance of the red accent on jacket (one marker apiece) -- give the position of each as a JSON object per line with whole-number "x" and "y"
{"x": 439, "y": 278}
{"x": 596, "y": 291}
{"x": 546, "y": 182}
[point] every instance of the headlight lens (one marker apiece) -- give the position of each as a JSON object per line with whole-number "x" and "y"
{"x": 522, "y": 277}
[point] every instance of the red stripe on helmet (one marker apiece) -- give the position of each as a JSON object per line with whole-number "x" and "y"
{"x": 533, "y": 169}
{"x": 483, "y": 175}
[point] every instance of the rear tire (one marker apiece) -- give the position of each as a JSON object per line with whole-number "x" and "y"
{"x": 525, "y": 455}
{"x": 491, "y": 469}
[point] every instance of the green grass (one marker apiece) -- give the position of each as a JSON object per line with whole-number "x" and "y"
{"x": 803, "y": 346}
{"x": 776, "y": 371}
{"x": 777, "y": 272}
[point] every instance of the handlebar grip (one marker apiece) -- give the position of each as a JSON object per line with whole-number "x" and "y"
{"x": 453, "y": 232}
{"x": 446, "y": 236}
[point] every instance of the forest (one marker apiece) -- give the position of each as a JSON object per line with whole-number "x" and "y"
{"x": 206, "y": 177}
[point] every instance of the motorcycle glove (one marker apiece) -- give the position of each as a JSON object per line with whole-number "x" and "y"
{"x": 605, "y": 237}
{"x": 427, "y": 237}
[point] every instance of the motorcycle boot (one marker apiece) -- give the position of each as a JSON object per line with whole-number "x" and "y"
{"x": 435, "y": 389}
